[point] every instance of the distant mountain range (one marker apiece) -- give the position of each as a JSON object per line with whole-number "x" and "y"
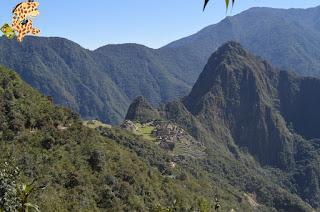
{"x": 289, "y": 39}
{"x": 242, "y": 108}
{"x": 102, "y": 83}
{"x": 97, "y": 84}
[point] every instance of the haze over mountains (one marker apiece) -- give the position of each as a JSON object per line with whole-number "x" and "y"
{"x": 289, "y": 39}
{"x": 102, "y": 83}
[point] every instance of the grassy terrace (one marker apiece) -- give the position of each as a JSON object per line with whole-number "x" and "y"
{"x": 145, "y": 131}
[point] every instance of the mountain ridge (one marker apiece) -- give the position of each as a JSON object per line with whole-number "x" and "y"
{"x": 102, "y": 83}
{"x": 241, "y": 105}
{"x": 261, "y": 29}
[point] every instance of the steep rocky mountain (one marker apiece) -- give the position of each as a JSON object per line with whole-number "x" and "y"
{"x": 243, "y": 97}
{"x": 243, "y": 109}
{"x": 102, "y": 83}
{"x": 236, "y": 96}
{"x": 76, "y": 168}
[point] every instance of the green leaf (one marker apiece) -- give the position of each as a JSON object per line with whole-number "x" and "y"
{"x": 32, "y": 206}
{"x": 28, "y": 189}
{"x": 24, "y": 187}
{"x": 227, "y": 4}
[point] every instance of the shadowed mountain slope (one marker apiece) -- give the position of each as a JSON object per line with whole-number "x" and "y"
{"x": 95, "y": 85}
{"x": 102, "y": 83}
{"x": 242, "y": 108}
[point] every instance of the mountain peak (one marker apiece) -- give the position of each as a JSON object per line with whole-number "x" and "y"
{"x": 140, "y": 110}
{"x": 229, "y": 53}
{"x": 232, "y": 46}
{"x": 231, "y": 65}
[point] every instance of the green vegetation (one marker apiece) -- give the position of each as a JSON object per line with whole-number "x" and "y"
{"x": 94, "y": 124}
{"x": 97, "y": 84}
{"x": 238, "y": 109}
{"x": 82, "y": 169}
{"x": 101, "y": 84}
{"x": 14, "y": 195}
{"x": 141, "y": 111}
{"x": 88, "y": 166}
{"x": 187, "y": 170}
{"x": 145, "y": 131}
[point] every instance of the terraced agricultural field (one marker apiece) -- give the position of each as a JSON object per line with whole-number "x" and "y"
{"x": 145, "y": 131}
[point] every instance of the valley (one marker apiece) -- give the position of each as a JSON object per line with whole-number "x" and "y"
{"x": 226, "y": 119}
{"x": 101, "y": 84}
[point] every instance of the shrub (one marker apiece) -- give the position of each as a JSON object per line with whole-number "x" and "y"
{"x": 14, "y": 196}
{"x": 48, "y": 142}
{"x": 97, "y": 160}
{"x": 9, "y": 198}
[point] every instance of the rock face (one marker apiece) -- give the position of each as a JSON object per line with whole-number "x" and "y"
{"x": 236, "y": 96}
{"x": 140, "y": 110}
{"x": 129, "y": 126}
{"x": 244, "y": 99}
{"x": 242, "y": 106}
{"x": 300, "y": 103}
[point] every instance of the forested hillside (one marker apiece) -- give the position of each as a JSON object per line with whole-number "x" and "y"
{"x": 76, "y": 168}
{"x": 258, "y": 125}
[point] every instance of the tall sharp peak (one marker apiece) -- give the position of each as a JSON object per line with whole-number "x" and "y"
{"x": 231, "y": 66}
{"x": 233, "y": 56}
{"x": 230, "y": 56}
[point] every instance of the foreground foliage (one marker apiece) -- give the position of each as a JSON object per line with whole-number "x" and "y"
{"x": 14, "y": 195}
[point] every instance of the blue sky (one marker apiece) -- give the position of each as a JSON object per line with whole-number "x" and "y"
{"x": 94, "y": 23}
